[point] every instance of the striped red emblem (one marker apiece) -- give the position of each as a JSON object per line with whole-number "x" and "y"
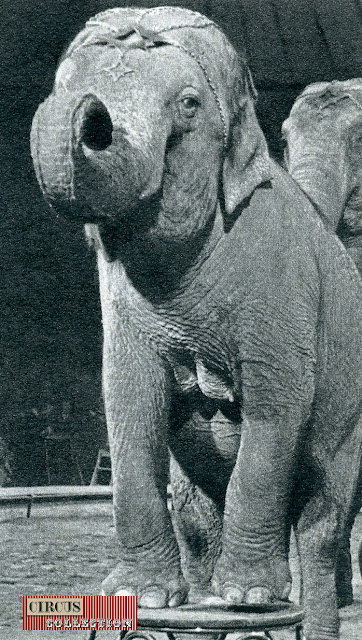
{"x": 68, "y": 613}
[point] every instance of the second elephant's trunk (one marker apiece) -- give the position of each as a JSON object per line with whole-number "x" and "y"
{"x": 320, "y": 172}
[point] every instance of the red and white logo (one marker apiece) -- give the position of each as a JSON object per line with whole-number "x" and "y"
{"x": 68, "y": 613}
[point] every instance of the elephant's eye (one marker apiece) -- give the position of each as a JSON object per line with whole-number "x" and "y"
{"x": 189, "y": 106}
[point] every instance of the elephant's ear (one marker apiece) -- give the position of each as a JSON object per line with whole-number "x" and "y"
{"x": 247, "y": 162}
{"x": 352, "y": 214}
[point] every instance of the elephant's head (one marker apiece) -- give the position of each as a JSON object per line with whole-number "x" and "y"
{"x": 151, "y": 113}
{"x": 324, "y": 150}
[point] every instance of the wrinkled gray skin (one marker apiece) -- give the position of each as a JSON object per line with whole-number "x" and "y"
{"x": 231, "y": 316}
{"x": 324, "y": 155}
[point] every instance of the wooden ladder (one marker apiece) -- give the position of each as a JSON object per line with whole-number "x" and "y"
{"x": 103, "y": 468}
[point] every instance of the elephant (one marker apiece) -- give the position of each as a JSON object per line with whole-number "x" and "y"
{"x": 231, "y": 318}
{"x": 323, "y": 154}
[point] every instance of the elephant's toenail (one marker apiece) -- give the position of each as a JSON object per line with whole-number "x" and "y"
{"x": 286, "y": 591}
{"x": 259, "y": 595}
{"x": 154, "y": 599}
{"x": 233, "y": 595}
{"x": 177, "y": 599}
{"x": 123, "y": 591}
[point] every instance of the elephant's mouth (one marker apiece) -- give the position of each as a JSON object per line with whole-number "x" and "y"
{"x": 135, "y": 225}
{"x": 75, "y": 211}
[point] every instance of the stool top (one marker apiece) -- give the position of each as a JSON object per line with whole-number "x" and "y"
{"x": 215, "y": 614}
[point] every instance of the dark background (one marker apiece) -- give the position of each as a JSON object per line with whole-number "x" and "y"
{"x": 50, "y": 330}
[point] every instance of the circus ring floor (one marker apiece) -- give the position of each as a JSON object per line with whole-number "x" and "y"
{"x": 67, "y": 547}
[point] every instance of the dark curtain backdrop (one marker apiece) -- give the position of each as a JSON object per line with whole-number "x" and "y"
{"x": 50, "y": 331}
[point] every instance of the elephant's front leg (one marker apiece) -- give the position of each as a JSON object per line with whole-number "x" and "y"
{"x": 253, "y": 566}
{"x": 136, "y": 390}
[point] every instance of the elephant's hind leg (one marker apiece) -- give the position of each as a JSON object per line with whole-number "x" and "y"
{"x": 198, "y": 526}
{"x": 344, "y": 564}
{"x": 344, "y": 572}
{"x": 322, "y": 528}
{"x": 317, "y": 536}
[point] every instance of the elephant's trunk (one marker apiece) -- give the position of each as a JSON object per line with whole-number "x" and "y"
{"x": 321, "y": 173}
{"x": 51, "y": 150}
{"x": 87, "y": 168}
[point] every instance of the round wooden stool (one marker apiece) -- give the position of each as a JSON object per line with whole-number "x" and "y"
{"x": 215, "y": 619}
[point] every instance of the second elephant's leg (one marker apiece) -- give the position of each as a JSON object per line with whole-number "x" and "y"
{"x": 344, "y": 573}
{"x": 204, "y": 440}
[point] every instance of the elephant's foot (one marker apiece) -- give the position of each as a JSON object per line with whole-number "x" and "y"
{"x": 155, "y": 588}
{"x": 257, "y": 583}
